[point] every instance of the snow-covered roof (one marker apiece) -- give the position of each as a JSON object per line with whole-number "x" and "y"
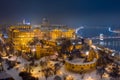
{"x": 4, "y": 75}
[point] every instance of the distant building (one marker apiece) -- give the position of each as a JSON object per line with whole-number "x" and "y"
{"x": 45, "y": 22}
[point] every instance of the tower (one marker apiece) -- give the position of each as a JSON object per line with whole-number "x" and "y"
{"x": 45, "y": 22}
{"x": 24, "y": 21}
{"x": 101, "y": 37}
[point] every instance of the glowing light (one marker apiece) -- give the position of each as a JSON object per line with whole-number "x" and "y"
{"x": 69, "y": 77}
{"x": 78, "y": 29}
{"x": 73, "y": 43}
{"x": 33, "y": 49}
{"x": 87, "y": 52}
{"x": 105, "y": 75}
{"x": 93, "y": 46}
{"x": 113, "y": 54}
{"x": 89, "y": 78}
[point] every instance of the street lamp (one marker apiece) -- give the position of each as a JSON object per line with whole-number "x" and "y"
{"x": 33, "y": 52}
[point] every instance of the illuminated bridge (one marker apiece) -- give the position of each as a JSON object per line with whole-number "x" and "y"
{"x": 106, "y": 37}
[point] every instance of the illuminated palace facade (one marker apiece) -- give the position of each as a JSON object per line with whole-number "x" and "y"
{"x": 21, "y": 35}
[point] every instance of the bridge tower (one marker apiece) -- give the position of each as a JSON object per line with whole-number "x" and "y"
{"x": 101, "y": 37}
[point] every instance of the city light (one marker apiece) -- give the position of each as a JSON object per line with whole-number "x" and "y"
{"x": 87, "y": 52}
{"x": 89, "y": 78}
{"x": 46, "y": 53}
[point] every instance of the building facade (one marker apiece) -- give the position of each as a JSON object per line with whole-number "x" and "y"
{"x": 21, "y": 35}
{"x": 82, "y": 65}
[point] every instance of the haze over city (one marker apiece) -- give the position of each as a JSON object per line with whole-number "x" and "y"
{"x": 70, "y": 12}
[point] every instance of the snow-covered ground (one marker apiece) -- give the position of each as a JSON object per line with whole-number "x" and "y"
{"x": 14, "y": 72}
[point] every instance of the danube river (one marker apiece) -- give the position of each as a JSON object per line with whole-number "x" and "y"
{"x": 90, "y": 32}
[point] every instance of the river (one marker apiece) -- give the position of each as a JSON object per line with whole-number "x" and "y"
{"x": 90, "y": 32}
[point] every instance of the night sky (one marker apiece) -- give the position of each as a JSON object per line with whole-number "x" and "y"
{"x": 71, "y": 12}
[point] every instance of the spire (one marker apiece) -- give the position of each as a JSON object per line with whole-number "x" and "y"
{"x": 23, "y": 21}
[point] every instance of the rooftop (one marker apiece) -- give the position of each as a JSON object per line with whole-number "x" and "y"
{"x": 4, "y": 75}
